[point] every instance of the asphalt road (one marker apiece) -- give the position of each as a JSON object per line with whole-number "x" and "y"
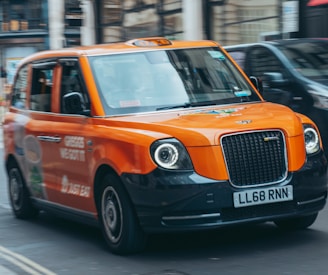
{"x": 51, "y": 245}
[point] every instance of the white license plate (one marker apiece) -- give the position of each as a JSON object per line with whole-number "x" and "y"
{"x": 263, "y": 196}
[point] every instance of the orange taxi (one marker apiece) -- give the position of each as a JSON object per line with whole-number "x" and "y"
{"x": 153, "y": 135}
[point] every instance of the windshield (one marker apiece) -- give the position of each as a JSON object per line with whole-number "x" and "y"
{"x": 310, "y": 59}
{"x": 157, "y": 80}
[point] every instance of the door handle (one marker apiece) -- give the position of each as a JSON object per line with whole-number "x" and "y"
{"x": 49, "y": 139}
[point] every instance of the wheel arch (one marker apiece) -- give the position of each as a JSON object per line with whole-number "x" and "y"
{"x": 131, "y": 236}
{"x": 101, "y": 172}
{"x": 10, "y": 160}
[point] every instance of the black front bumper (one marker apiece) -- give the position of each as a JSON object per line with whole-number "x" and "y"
{"x": 174, "y": 201}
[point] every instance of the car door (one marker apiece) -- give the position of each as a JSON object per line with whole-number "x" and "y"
{"x": 73, "y": 130}
{"x": 38, "y": 143}
{"x": 263, "y": 63}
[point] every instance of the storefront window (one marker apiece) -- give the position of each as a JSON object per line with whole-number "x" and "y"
{"x": 141, "y": 19}
{"x": 172, "y": 24}
{"x": 171, "y": 11}
{"x": 18, "y": 15}
{"x": 73, "y": 22}
{"x": 128, "y": 19}
{"x": 238, "y": 22}
{"x": 171, "y": 5}
{"x": 112, "y": 11}
{"x": 73, "y": 14}
{"x": 35, "y": 21}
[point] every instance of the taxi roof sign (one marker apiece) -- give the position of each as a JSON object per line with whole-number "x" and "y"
{"x": 150, "y": 42}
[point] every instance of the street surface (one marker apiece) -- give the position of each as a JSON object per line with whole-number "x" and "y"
{"x": 51, "y": 245}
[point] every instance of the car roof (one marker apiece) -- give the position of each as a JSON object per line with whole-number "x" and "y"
{"x": 140, "y": 44}
{"x": 239, "y": 46}
{"x": 283, "y": 42}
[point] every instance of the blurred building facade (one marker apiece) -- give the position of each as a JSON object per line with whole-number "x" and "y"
{"x": 28, "y": 26}
{"x": 227, "y": 21}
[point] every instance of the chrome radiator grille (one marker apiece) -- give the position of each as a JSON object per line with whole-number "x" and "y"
{"x": 255, "y": 158}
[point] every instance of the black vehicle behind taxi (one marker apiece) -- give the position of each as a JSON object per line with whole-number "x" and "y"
{"x": 294, "y": 73}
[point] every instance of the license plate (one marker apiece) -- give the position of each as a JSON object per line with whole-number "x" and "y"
{"x": 263, "y": 196}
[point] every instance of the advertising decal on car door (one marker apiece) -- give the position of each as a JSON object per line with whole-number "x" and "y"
{"x": 29, "y": 153}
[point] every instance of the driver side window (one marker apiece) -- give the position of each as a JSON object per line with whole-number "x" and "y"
{"x": 72, "y": 82}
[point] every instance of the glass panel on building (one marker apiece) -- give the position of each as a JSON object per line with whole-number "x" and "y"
{"x": 238, "y": 22}
{"x": 124, "y": 20}
{"x": 73, "y": 22}
{"x": 112, "y": 11}
{"x": 36, "y": 18}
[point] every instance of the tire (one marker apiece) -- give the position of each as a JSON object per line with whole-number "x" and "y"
{"x": 297, "y": 223}
{"x": 118, "y": 220}
{"x": 19, "y": 196}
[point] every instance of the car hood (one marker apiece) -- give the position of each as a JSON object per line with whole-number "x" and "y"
{"x": 205, "y": 126}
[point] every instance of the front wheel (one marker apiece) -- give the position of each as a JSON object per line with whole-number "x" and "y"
{"x": 118, "y": 220}
{"x": 297, "y": 223}
{"x": 19, "y": 195}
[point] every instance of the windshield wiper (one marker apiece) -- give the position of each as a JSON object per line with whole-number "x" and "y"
{"x": 187, "y": 105}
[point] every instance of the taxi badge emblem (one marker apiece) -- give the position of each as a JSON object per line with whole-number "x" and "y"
{"x": 246, "y": 121}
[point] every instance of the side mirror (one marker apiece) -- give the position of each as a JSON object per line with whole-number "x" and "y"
{"x": 257, "y": 82}
{"x": 274, "y": 80}
{"x": 73, "y": 103}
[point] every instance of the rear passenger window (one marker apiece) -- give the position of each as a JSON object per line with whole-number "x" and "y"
{"x": 41, "y": 89}
{"x": 20, "y": 88}
{"x": 262, "y": 60}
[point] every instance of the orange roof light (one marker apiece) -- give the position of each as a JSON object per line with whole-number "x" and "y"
{"x": 150, "y": 42}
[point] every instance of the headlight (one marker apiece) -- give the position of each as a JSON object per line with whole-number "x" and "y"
{"x": 312, "y": 141}
{"x": 170, "y": 154}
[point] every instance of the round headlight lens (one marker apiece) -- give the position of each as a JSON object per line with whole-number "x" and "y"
{"x": 166, "y": 155}
{"x": 312, "y": 142}
{"x": 170, "y": 154}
